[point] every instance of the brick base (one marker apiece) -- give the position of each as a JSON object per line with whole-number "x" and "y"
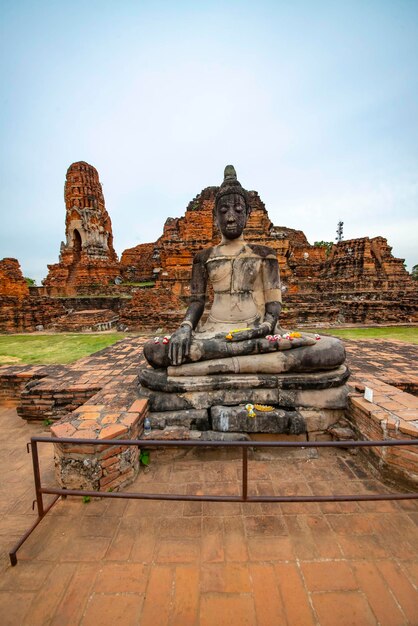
{"x": 98, "y": 467}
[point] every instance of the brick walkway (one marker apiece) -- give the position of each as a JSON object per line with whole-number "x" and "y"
{"x": 133, "y": 562}
{"x": 394, "y": 363}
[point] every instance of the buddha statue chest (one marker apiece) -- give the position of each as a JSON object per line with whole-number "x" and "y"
{"x": 238, "y": 286}
{"x": 234, "y": 274}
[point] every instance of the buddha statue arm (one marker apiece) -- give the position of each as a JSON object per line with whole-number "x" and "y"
{"x": 181, "y": 339}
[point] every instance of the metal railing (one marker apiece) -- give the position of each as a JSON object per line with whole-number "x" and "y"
{"x": 243, "y": 497}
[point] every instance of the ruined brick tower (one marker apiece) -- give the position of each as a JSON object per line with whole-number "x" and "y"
{"x": 88, "y": 257}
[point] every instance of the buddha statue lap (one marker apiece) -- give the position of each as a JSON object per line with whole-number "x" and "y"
{"x": 241, "y": 338}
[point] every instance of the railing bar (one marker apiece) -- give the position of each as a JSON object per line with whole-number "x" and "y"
{"x": 141, "y": 496}
{"x": 244, "y": 473}
{"x": 37, "y": 479}
{"x": 226, "y": 444}
{"x": 213, "y": 498}
{"x": 12, "y": 553}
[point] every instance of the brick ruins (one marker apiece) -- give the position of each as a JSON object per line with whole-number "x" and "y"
{"x": 88, "y": 256}
{"x": 357, "y": 281}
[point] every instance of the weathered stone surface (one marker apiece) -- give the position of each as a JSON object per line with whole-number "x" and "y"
{"x": 161, "y": 401}
{"x": 213, "y": 435}
{"x": 334, "y": 398}
{"x": 236, "y": 419}
{"x": 194, "y": 419}
{"x": 159, "y": 381}
{"x": 314, "y": 380}
{"x": 320, "y": 420}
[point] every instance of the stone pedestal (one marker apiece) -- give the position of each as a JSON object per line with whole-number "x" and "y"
{"x": 214, "y": 407}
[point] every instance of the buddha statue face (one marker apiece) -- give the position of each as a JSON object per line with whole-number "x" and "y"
{"x": 231, "y": 215}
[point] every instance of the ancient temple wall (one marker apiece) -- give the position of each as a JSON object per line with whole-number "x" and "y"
{"x": 12, "y": 282}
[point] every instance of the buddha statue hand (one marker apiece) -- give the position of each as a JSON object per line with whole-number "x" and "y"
{"x": 179, "y": 345}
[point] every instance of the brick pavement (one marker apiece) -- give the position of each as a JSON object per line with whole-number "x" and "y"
{"x": 393, "y": 362}
{"x": 133, "y": 562}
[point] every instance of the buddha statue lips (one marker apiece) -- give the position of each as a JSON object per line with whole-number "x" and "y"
{"x": 247, "y": 295}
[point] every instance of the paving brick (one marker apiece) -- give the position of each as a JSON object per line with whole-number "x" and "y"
{"x": 267, "y": 599}
{"x": 186, "y": 596}
{"x": 158, "y": 598}
{"x": 113, "y": 431}
{"x": 401, "y": 588}
{"x": 270, "y": 548}
{"x": 328, "y": 576}
{"x": 293, "y": 592}
{"x": 235, "y": 541}
{"x": 226, "y": 609}
{"x": 212, "y": 540}
{"x": 225, "y": 578}
{"x": 178, "y": 551}
{"x": 121, "y": 578}
{"x": 72, "y": 606}
{"x": 14, "y": 605}
{"x": 139, "y": 406}
{"x": 378, "y": 594}
{"x": 43, "y": 606}
{"x": 343, "y": 608}
{"x": 111, "y": 609}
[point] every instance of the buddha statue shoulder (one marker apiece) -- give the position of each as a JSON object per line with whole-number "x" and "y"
{"x": 242, "y": 332}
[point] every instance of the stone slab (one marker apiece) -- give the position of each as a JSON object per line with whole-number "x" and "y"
{"x": 158, "y": 380}
{"x": 236, "y": 419}
{"x": 194, "y": 419}
{"x": 334, "y": 398}
{"x": 161, "y": 401}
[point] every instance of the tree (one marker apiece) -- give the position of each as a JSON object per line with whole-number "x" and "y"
{"x": 339, "y": 231}
{"x": 31, "y": 282}
{"x": 414, "y": 273}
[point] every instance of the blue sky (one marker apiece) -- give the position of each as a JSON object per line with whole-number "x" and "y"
{"x": 315, "y": 103}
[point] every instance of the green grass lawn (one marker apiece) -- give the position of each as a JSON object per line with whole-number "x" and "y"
{"x": 49, "y": 349}
{"x": 408, "y": 334}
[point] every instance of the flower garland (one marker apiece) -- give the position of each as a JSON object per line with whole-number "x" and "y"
{"x": 262, "y": 408}
{"x": 165, "y": 340}
{"x": 236, "y": 330}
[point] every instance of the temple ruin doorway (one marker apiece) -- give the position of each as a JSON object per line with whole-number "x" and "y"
{"x": 76, "y": 246}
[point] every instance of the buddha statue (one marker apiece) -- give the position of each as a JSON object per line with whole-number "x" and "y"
{"x": 242, "y": 333}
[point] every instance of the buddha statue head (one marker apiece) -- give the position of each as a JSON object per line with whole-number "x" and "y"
{"x": 231, "y": 205}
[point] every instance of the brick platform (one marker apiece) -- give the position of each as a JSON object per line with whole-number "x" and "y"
{"x": 208, "y": 564}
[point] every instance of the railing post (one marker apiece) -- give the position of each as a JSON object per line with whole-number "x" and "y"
{"x": 244, "y": 472}
{"x": 37, "y": 478}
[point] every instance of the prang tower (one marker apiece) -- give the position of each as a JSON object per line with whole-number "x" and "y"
{"x": 87, "y": 257}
